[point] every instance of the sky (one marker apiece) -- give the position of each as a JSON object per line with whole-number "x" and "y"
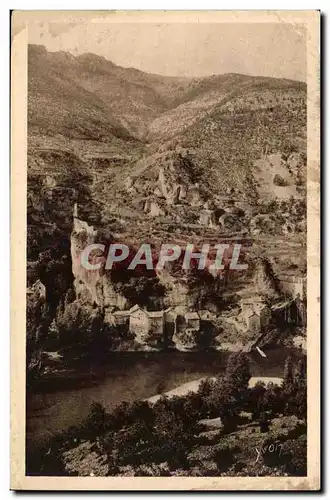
{"x": 185, "y": 49}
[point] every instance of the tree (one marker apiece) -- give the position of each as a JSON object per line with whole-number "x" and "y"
{"x": 238, "y": 372}
{"x": 295, "y": 456}
{"x": 224, "y": 455}
{"x": 205, "y": 390}
{"x": 299, "y": 373}
{"x": 142, "y": 411}
{"x": 254, "y": 402}
{"x": 176, "y": 424}
{"x": 295, "y": 389}
{"x": 134, "y": 444}
{"x": 121, "y": 415}
{"x": 263, "y": 422}
{"x": 288, "y": 372}
{"x": 273, "y": 402}
{"x": 227, "y": 396}
{"x": 97, "y": 421}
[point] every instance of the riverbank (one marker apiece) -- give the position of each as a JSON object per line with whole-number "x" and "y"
{"x": 193, "y": 386}
{"x": 90, "y": 372}
{"x": 62, "y": 400}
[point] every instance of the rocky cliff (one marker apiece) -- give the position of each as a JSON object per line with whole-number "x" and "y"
{"x": 91, "y": 286}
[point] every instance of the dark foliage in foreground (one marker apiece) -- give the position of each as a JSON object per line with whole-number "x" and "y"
{"x": 172, "y": 432}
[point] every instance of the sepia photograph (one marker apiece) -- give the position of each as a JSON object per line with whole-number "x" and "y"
{"x": 166, "y": 181}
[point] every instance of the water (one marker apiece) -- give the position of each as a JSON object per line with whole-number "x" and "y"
{"x": 127, "y": 377}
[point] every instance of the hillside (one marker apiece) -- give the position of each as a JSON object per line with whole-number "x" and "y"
{"x": 158, "y": 146}
{"x": 225, "y": 426}
{"x": 160, "y": 159}
{"x": 90, "y": 97}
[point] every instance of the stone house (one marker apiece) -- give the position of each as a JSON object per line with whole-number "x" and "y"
{"x": 156, "y": 323}
{"x": 157, "y": 326}
{"x": 192, "y": 320}
{"x": 264, "y": 313}
{"x": 120, "y": 317}
{"x": 206, "y": 315}
{"x": 37, "y": 290}
{"x": 255, "y": 313}
{"x": 253, "y": 322}
{"x": 146, "y": 326}
{"x": 139, "y": 323}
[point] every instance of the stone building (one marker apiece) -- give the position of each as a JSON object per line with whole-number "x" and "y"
{"x": 120, "y": 317}
{"x": 192, "y": 320}
{"x": 293, "y": 285}
{"x": 139, "y": 322}
{"x": 146, "y": 326}
{"x": 156, "y": 324}
{"x": 153, "y": 327}
{"x": 253, "y": 322}
{"x": 37, "y": 290}
{"x": 255, "y": 312}
{"x": 206, "y": 315}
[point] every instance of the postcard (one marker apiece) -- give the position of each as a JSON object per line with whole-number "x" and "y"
{"x": 165, "y": 245}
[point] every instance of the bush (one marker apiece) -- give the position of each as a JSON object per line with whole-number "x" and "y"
{"x": 225, "y": 455}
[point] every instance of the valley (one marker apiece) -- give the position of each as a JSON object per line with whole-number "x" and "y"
{"x": 152, "y": 159}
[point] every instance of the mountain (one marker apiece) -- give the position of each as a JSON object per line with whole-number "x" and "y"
{"x": 158, "y": 146}
{"x": 90, "y": 97}
{"x": 65, "y": 88}
{"x": 168, "y": 139}
{"x": 157, "y": 159}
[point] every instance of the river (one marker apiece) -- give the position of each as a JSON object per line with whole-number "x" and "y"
{"x": 128, "y": 377}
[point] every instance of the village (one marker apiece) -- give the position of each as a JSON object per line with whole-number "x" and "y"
{"x": 267, "y": 301}
{"x": 179, "y": 327}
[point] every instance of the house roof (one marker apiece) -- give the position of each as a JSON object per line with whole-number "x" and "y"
{"x": 191, "y": 315}
{"x": 121, "y": 313}
{"x": 253, "y": 314}
{"x": 203, "y": 312}
{"x": 151, "y": 314}
{"x": 156, "y": 314}
{"x": 136, "y": 308}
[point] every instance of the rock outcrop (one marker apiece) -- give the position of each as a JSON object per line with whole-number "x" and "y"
{"x": 170, "y": 193}
{"x": 265, "y": 281}
{"x": 91, "y": 286}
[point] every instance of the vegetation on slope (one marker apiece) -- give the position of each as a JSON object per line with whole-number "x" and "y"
{"x": 225, "y": 429}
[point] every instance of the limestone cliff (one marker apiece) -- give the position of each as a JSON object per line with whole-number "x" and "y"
{"x": 91, "y": 286}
